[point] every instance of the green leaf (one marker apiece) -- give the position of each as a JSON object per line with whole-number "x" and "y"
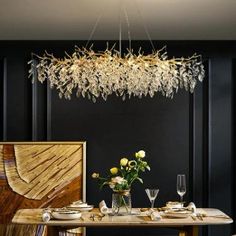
{"x": 103, "y": 184}
{"x": 140, "y": 180}
{"x": 142, "y": 169}
{"x": 148, "y": 168}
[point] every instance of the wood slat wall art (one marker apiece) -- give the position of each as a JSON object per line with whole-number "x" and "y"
{"x": 38, "y": 175}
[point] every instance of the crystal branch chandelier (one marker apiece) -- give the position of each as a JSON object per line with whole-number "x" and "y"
{"x": 93, "y": 74}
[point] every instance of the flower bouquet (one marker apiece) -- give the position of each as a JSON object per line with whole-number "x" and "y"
{"x": 120, "y": 180}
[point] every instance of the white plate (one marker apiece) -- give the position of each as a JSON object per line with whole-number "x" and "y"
{"x": 66, "y": 215}
{"x": 171, "y": 214}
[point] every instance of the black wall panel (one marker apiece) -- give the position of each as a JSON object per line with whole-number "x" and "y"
{"x": 233, "y": 141}
{"x": 220, "y": 136}
{"x": 191, "y": 134}
{"x": 3, "y": 100}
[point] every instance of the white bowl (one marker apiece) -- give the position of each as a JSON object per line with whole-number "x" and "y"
{"x": 80, "y": 208}
{"x": 66, "y": 214}
{"x": 174, "y": 205}
{"x": 80, "y": 203}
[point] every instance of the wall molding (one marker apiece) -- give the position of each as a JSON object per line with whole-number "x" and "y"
{"x": 4, "y": 99}
{"x": 233, "y": 197}
{"x": 34, "y": 105}
{"x": 49, "y": 112}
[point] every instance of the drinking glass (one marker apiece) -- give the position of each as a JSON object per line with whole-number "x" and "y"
{"x": 152, "y": 194}
{"x": 181, "y": 186}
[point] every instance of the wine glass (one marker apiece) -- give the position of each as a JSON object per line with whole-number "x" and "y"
{"x": 181, "y": 186}
{"x": 152, "y": 194}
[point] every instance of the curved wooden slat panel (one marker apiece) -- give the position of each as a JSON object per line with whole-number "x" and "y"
{"x": 38, "y": 175}
{"x": 34, "y": 170}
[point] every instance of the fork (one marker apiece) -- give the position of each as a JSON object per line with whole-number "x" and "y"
{"x": 98, "y": 216}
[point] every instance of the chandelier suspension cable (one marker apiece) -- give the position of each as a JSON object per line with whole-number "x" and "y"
{"x": 120, "y": 30}
{"x": 93, "y": 30}
{"x": 123, "y": 9}
{"x": 128, "y": 26}
{"x": 144, "y": 25}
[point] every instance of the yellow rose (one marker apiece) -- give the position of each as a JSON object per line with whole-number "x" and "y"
{"x": 114, "y": 170}
{"x": 124, "y": 161}
{"x": 95, "y": 175}
{"x": 140, "y": 154}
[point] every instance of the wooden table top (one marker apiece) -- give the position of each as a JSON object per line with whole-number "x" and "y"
{"x": 34, "y": 216}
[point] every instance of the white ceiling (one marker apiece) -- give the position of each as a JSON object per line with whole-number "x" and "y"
{"x": 75, "y": 19}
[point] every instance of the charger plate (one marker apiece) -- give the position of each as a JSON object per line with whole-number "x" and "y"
{"x": 176, "y": 214}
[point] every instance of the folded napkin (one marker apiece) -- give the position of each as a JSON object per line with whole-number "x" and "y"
{"x": 46, "y": 216}
{"x": 192, "y": 207}
{"x": 201, "y": 212}
{"x": 155, "y": 215}
{"x": 79, "y": 203}
{"x": 103, "y": 207}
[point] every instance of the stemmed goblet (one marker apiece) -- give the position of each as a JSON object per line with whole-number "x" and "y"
{"x": 181, "y": 186}
{"x": 152, "y": 194}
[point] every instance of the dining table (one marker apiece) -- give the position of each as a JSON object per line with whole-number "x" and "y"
{"x": 186, "y": 226}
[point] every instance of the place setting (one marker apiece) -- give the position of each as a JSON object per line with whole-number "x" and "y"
{"x": 70, "y": 212}
{"x": 172, "y": 209}
{"x": 177, "y": 209}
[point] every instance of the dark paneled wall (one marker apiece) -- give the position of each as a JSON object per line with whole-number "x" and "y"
{"x": 191, "y": 134}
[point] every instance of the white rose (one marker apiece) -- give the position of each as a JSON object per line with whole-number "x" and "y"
{"x": 140, "y": 154}
{"x": 111, "y": 185}
{"x": 118, "y": 180}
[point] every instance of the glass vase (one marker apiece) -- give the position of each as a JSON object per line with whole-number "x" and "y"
{"x": 121, "y": 203}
